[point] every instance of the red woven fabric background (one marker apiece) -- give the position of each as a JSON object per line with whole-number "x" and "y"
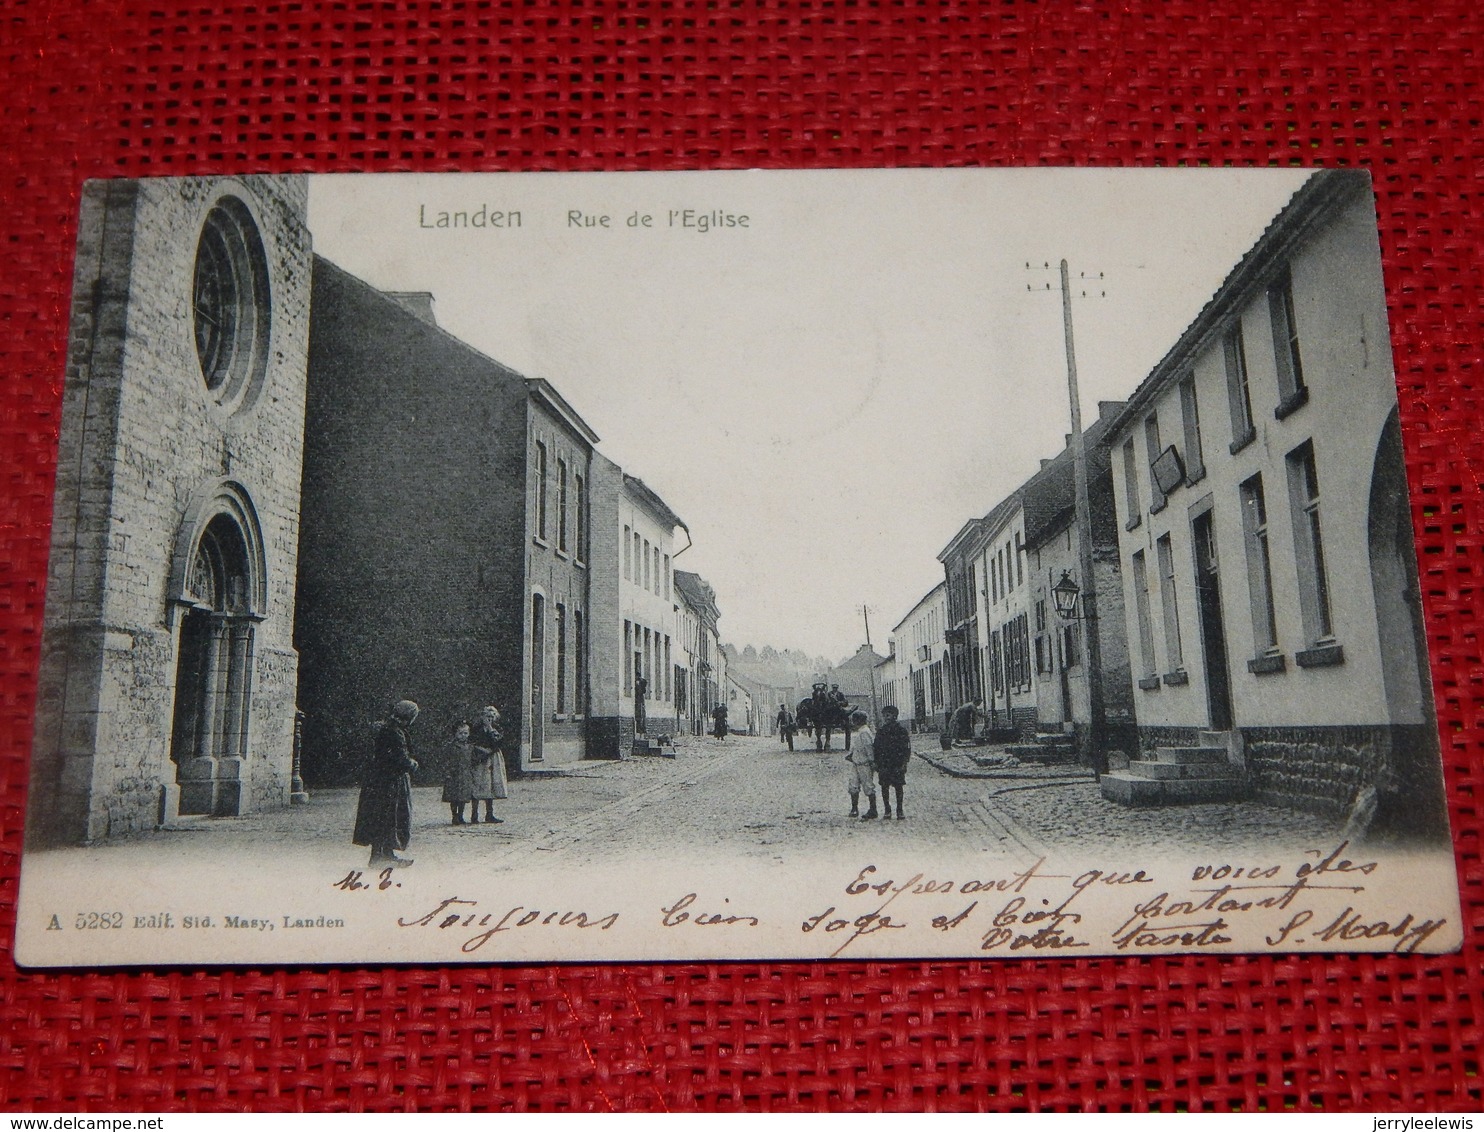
{"x": 223, "y": 86}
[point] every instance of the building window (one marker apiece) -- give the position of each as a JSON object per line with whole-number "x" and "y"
{"x": 561, "y": 505}
{"x": 1303, "y": 492}
{"x": 230, "y": 305}
{"x": 628, "y": 650}
{"x": 628, "y": 556}
{"x": 1009, "y": 568}
{"x": 648, "y": 653}
{"x": 561, "y": 658}
{"x": 638, "y": 661}
{"x": 579, "y": 660}
{"x": 540, "y": 490}
{"x": 1292, "y": 392}
{"x": 579, "y": 541}
{"x": 658, "y": 585}
{"x": 1238, "y": 391}
{"x": 668, "y": 595}
{"x": 1173, "y": 654}
{"x": 1195, "y": 462}
{"x": 1149, "y": 665}
{"x": 1021, "y": 638}
{"x": 668, "y": 671}
{"x": 1071, "y": 645}
{"x": 1131, "y": 487}
{"x": 1259, "y": 566}
{"x": 645, "y": 560}
{"x": 1019, "y": 560}
{"x": 1152, "y": 449}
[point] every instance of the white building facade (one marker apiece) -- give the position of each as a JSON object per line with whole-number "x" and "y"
{"x": 647, "y": 607}
{"x": 919, "y": 681}
{"x": 1269, "y": 576}
{"x": 1007, "y": 685}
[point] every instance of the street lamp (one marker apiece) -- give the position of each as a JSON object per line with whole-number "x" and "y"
{"x": 1065, "y": 593}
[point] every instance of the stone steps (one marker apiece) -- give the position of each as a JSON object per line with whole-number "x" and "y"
{"x": 654, "y": 748}
{"x": 1178, "y": 776}
{"x": 1190, "y": 756}
{"x": 1045, "y": 748}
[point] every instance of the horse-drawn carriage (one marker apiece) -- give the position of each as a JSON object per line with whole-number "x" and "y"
{"x": 823, "y": 715}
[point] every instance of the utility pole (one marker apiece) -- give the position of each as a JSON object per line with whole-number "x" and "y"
{"x": 875, "y": 707}
{"x": 1095, "y": 747}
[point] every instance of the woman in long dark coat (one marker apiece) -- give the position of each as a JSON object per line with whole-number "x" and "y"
{"x": 384, "y": 815}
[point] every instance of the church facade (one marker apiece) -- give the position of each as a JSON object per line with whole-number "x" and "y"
{"x": 168, "y": 673}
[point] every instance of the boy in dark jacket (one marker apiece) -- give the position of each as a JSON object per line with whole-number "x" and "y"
{"x": 893, "y": 753}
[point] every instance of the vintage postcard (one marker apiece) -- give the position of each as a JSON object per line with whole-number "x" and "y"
{"x": 862, "y": 565}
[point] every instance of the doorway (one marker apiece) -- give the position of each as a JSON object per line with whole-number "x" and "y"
{"x": 1213, "y": 626}
{"x": 213, "y": 673}
{"x": 538, "y": 675}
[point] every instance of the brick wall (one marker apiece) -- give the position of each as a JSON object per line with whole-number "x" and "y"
{"x": 1322, "y": 769}
{"x": 412, "y": 563}
{"x": 557, "y": 575}
{"x": 1318, "y": 769}
{"x": 1152, "y": 738}
{"x": 609, "y": 734}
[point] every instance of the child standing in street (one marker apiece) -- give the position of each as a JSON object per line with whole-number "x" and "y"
{"x": 893, "y": 753}
{"x": 458, "y": 772}
{"x": 488, "y": 766}
{"x": 860, "y": 762}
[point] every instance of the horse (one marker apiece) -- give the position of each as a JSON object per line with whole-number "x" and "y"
{"x": 823, "y": 719}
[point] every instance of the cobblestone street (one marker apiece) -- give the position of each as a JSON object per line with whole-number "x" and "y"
{"x": 750, "y": 799}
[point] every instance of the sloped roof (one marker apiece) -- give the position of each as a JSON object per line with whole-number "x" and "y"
{"x": 544, "y": 391}
{"x": 650, "y": 499}
{"x": 1051, "y": 494}
{"x": 698, "y": 595}
{"x": 1317, "y": 199}
{"x": 936, "y": 592}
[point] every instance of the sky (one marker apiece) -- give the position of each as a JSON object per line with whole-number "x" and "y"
{"x": 828, "y": 392}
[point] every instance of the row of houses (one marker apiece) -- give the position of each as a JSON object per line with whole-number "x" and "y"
{"x": 287, "y": 499}
{"x": 1255, "y": 582}
{"x": 530, "y": 570}
{"x": 989, "y": 633}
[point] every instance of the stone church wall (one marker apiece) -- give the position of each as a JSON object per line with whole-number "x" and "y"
{"x": 143, "y": 442}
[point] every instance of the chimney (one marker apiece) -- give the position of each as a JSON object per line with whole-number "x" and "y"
{"x": 1044, "y": 463}
{"x": 1066, "y": 440}
{"x": 419, "y": 304}
{"x": 1108, "y": 409}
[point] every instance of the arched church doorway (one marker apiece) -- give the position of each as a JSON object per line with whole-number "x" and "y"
{"x": 219, "y": 602}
